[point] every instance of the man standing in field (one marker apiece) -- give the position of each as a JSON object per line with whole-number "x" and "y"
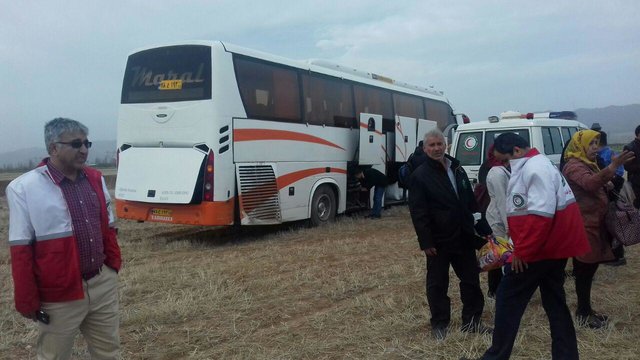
{"x": 441, "y": 202}
{"x": 546, "y": 228}
{"x": 64, "y": 251}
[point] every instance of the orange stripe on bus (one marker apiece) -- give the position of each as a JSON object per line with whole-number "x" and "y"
{"x": 282, "y": 182}
{"x": 365, "y": 126}
{"x": 290, "y": 178}
{"x": 401, "y": 152}
{"x": 270, "y": 134}
{"x": 399, "y": 127}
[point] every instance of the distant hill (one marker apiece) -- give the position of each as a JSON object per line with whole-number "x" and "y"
{"x": 619, "y": 122}
{"x": 102, "y": 151}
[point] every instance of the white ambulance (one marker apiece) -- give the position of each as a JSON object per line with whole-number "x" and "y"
{"x": 548, "y": 132}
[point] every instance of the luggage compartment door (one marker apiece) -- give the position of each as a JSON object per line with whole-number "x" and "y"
{"x": 423, "y": 127}
{"x": 405, "y": 137}
{"x": 371, "y": 151}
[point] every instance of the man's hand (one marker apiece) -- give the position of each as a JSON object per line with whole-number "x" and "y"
{"x": 518, "y": 265}
{"x": 431, "y": 252}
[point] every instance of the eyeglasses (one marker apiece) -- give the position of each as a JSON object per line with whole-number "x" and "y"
{"x": 76, "y": 144}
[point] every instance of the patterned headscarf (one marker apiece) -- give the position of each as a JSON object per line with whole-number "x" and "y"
{"x": 577, "y": 147}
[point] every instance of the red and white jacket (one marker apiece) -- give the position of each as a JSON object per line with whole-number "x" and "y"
{"x": 544, "y": 218}
{"x": 44, "y": 256}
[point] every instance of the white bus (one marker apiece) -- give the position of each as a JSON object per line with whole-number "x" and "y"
{"x": 214, "y": 134}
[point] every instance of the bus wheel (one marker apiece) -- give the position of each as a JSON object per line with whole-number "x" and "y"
{"x": 323, "y": 206}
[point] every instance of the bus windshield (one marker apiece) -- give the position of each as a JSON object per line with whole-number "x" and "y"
{"x": 168, "y": 74}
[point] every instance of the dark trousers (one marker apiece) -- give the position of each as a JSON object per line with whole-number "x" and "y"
{"x": 636, "y": 191}
{"x": 513, "y": 295}
{"x": 493, "y": 279}
{"x": 378, "y": 194}
{"x": 618, "y": 252}
{"x": 584, "y": 273}
{"x": 465, "y": 266}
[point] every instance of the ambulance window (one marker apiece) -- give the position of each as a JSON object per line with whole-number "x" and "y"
{"x": 566, "y": 134}
{"x": 469, "y": 148}
{"x": 551, "y": 140}
{"x": 491, "y": 135}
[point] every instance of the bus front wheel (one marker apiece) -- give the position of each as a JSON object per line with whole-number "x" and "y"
{"x": 323, "y": 206}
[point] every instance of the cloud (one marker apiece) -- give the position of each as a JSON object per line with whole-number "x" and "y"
{"x": 67, "y": 58}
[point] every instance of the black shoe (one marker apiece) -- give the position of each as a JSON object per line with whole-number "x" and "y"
{"x": 619, "y": 262}
{"x": 477, "y": 328}
{"x": 592, "y": 320}
{"x": 372, "y": 217}
{"x": 439, "y": 332}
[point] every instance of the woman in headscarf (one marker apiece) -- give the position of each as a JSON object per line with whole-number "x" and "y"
{"x": 590, "y": 185}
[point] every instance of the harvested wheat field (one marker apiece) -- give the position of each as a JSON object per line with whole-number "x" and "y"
{"x": 354, "y": 289}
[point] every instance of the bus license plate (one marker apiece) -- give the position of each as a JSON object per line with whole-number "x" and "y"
{"x": 170, "y": 85}
{"x": 161, "y": 214}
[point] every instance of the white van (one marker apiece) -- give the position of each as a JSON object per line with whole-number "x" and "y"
{"x": 548, "y": 132}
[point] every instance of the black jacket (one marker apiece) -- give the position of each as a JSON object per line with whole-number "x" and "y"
{"x": 440, "y": 217}
{"x": 417, "y": 158}
{"x": 373, "y": 177}
{"x": 633, "y": 167}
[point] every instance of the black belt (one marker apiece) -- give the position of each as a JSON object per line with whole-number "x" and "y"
{"x": 92, "y": 273}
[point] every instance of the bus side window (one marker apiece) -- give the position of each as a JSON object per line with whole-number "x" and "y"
{"x": 371, "y": 100}
{"x": 439, "y": 112}
{"x": 409, "y": 106}
{"x": 328, "y": 101}
{"x": 268, "y": 91}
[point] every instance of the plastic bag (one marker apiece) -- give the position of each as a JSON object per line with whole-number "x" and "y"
{"x": 494, "y": 253}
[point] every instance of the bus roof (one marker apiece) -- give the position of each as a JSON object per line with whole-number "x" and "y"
{"x": 317, "y": 66}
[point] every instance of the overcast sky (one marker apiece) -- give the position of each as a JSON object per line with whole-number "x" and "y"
{"x": 66, "y": 58}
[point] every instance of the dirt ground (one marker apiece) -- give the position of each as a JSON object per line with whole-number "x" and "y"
{"x": 354, "y": 289}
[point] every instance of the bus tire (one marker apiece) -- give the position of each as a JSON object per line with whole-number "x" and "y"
{"x": 323, "y": 206}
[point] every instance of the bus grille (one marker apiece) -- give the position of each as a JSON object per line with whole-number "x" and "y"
{"x": 258, "y": 194}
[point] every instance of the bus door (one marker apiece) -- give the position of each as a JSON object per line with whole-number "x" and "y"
{"x": 405, "y": 137}
{"x": 371, "y": 149}
{"x": 423, "y": 127}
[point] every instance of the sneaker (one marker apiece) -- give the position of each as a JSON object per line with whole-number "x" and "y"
{"x": 439, "y": 333}
{"x": 477, "y": 328}
{"x": 592, "y": 320}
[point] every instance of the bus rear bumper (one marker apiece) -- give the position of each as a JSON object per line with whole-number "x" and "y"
{"x": 219, "y": 213}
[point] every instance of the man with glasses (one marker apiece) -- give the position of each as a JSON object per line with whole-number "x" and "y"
{"x": 64, "y": 251}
